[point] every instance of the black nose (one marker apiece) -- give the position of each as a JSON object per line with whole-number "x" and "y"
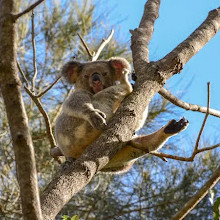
{"x": 96, "y": 77}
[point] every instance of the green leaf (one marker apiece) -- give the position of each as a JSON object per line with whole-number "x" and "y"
{"x": 216, "y": 209}
{"x": 75, "y": 217}
{"x": 65, "y": 217}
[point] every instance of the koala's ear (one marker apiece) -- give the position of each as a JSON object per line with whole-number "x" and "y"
{"x": 119, "y": 65}
{"x": 71, "y": 70}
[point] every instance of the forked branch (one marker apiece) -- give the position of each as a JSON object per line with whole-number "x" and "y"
{"x": 95, "y": 55}
{"x": 30, "y": 8}
{"x": 196, "y": 147}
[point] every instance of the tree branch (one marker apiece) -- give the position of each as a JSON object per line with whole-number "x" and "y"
{"x": 46, "y": 118}
{"x": 95, "y": 55}
{"x": 173, "y": 62}
{"x": 151, "y": 77}
{"x": 48, "y": 88}
{"x": 204, "y": 121}
{"x": 34, "y": 51}
{"x": 141, "y": 36}
{"x": 187, "y": 106}
{"x": 30, "y": 8}
{"x": 102, "y": 46}
{"x": 198, "y": 196}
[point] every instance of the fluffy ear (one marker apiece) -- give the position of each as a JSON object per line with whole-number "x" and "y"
{"x": 71, "y": 70}
{"x": 119, "y": 65}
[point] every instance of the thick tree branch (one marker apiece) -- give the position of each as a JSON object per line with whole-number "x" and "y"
{"x": 151, "y": 77}
{"x": 187, "y": 106}
{"x": 174, "y": 61}
{"x": 141, "y": 36}
{"x": 30, "y": 8}
{"x": 18, "y": 123}
{"x": 198, "y": 196}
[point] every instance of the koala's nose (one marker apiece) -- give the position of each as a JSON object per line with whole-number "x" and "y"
{"x": 96, "y": 77}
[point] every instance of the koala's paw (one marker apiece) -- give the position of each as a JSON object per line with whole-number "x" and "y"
{"x": 97, "y": 119}
{"x": 69, "y": 162}
{"x": 174, "y": 127}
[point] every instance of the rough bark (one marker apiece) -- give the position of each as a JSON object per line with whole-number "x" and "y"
{"x": 198, "y": 196}
{"x": 151, "y": 77}
{"x": 11, "y": 92}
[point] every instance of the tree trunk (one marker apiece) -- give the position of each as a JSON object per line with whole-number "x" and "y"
{"x": 11, "y": 92}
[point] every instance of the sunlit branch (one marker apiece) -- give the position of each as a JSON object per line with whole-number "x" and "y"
{"x": 187, "y": 106}
{"x": 102, "y": 45}
{"x": 31, "y": 7}
{"x": 34, "y": 52}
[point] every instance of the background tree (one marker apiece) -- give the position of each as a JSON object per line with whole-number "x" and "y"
{"x": 143, "y": 192}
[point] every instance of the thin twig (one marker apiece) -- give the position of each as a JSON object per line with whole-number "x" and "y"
{"x": 85, "y": 45}
{"x": 204, "y": 121}
{"x": 48, "y": 88}
{"x": 46, "y": 118}
{"x": 187, "y": 106}
{"x": 102, "y": 45}
{"x": 22, "y": 74}
{"x": 34, "y": 52}
{"x": 31, "y": 7}
{"x": 186, "y": 159}
{"x": 95, "y": 55}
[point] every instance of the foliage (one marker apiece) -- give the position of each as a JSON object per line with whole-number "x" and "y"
{"x": 66, "y": 217}
{"x": 216, "y": 209}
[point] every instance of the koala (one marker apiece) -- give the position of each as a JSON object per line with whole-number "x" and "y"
{"x": 99, "y": 89}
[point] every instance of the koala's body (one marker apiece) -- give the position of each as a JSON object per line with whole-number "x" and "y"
{"x": 100, "y": 87}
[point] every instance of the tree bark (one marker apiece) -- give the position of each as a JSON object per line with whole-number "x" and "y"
{"x": 198, "y": 196}
{"x": 11, "y": 92}
{"x": 151, "y": 77}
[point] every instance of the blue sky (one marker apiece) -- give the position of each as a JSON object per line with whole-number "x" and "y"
{"x": 178, "y": 19}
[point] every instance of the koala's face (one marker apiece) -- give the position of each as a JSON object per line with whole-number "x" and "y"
{"x": 95, "y": 76}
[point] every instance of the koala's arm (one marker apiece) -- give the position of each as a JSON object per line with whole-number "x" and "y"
{"x": 79, "y": 105}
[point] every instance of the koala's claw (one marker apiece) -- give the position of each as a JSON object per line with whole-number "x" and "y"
{"x": 174, "y": 127}
{"x": 97, "y": 120}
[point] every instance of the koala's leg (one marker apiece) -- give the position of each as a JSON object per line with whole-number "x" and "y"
{"x": 156, "y": 140}
{"x": 141, "y": 145}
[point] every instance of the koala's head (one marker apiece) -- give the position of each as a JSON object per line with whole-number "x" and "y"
{"x": 95, "y": 76}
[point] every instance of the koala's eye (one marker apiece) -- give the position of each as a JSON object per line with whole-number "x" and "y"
{"x": 104, "y": 74}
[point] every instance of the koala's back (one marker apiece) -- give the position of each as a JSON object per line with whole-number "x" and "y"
{"x": 73, "y": 135}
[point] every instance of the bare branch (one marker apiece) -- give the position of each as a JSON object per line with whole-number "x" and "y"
{"x": 34, "y": 52}
{"x": 22, "y": 74}
{"x": 204, "y": 121}
{"x": 46, "y": 118}
{"x": 95, "y": 55}
{"x": 174, "y": 61}
{"x": 48, "y": 88}
{"x": 85, "y": 45}
{"x": 31, "y": 7}
{"x": 187, "y": 106}
{"x": 102, "y": 46}
{"x": 186, "y": 159}
{"x": 142, "y": 35}
{"x": 213, "y": 180}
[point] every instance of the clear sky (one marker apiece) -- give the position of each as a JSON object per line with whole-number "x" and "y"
{"x": 177, "y": 20}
